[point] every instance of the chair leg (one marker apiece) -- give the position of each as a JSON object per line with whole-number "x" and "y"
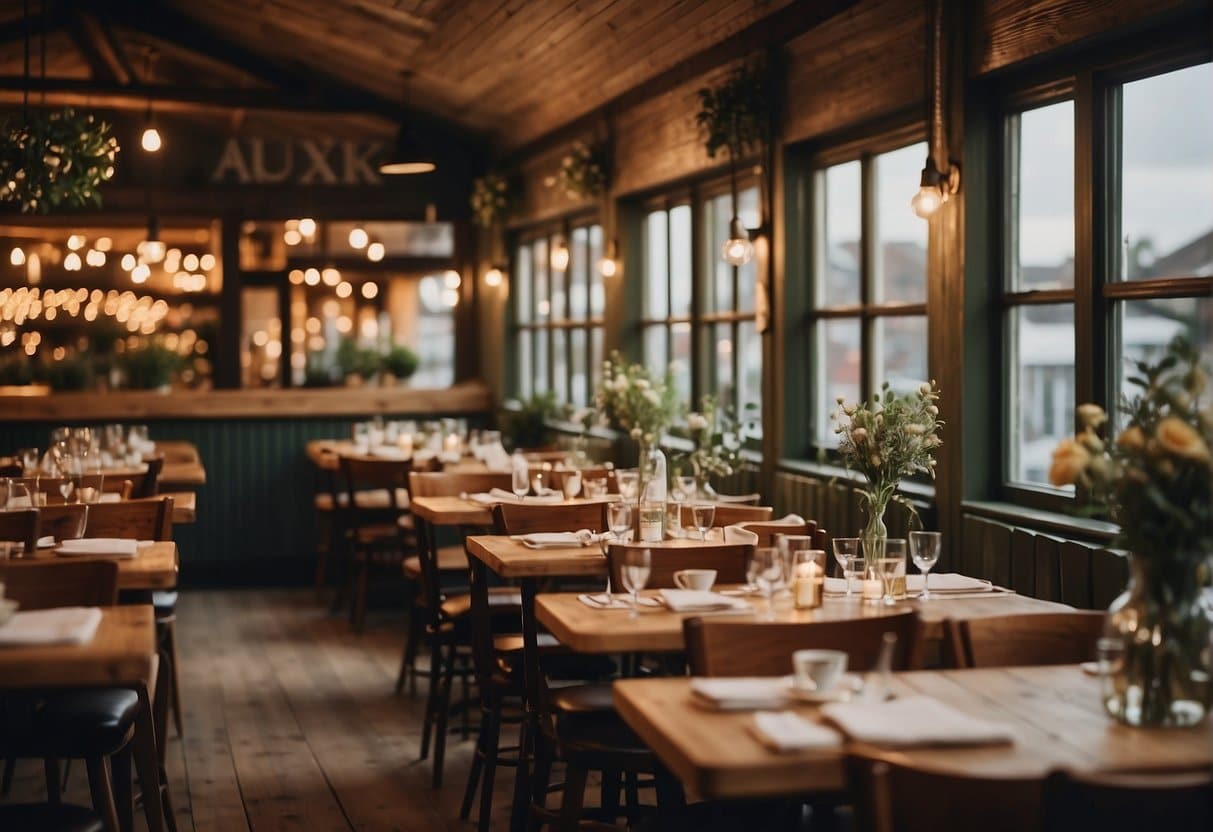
{"x": 465, "y": 728}
{"x": 102, "y": 791}
{"x": 478, "y": 758}
{"x": 431, "y": 700}
{"x": 171, "y": 639}
{"x": 6, "y": 781}
{"x": 574, "y": 796}
{"x": 541, "y": 776}
{"x": 362, "y": 587}
{"x": 54, "y": 783}
{"x": 444, "y": 712}
{"x": 120, "y": 773}
{"x": 408, "y": 661}
{"x": 610, "y": 791}
{"x": 491, "y": 734}
{"x": 323, "y": 549}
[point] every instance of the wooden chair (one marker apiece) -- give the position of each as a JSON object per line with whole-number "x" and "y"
{"x": 1129, "y": 802}
{"x": 122, "y": 486}
{"x": 525, "y": 518}
{"x": 20, "y": 526}
{"x": 1031, "y": 639}
{"x": 42, "y": 584}
{"x": 555, "y": 478}
{"x": 379, "y": 535}
{"x": 147, "y": 484}
{"x": 890, "y": 795}
{"x": 721, "y": 647}
{"x": 768, "y": 533}
{"x": 729, "y": 515}
{"x": 739, "y": 499}
{"x": 150, "y": 519}
{"x": 728, "y": 559}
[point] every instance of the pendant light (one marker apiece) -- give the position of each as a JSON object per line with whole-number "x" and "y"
{"x": 408, "y": 156}
{"x": 150, "y": 141}
{"x": 935, "y": 186}
{"x": 153, "y": 247}
{"x": 739, "y": 248}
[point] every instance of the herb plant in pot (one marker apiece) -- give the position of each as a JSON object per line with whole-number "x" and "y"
{"x": 398, "y": 365}
{"x": 358, "y": 365}
{"x": 526, "y": 424}
{"x": 151, "y": 367}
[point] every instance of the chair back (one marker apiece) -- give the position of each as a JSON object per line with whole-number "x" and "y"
{"x": 41, "y": 584}
{"x": 890, "y": 795}
{"x": 364, "y": 473}
{"x": 147, "y": 484}
{"x": 150, "y": 519}
{"x": 64, "y": 522}
{"x": 729, "y": 514}
{"x": 1129, "y": 801}
{"x": 104, "y": 483}
{"x": 555, "y": 478}
{"x": 524, "y": 518}
{"x": 728, "y": 559}
{"x": 768, "y": 532}
{"x": 1020, "y": 640}
{"x": 740, "y": 499}
{"x": 721, "y": 647}
{"x": 439, "y": 484}
{"x": 20, "y": 526}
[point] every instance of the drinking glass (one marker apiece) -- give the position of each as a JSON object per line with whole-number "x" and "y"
{"x": 702, "y": 515}
{"x": 619, "y": 519}
{"x": 789, "y": 545}
{"x": 846, "y": 549}
{"x": 634, "y": 574}
{"x": 30, "y": 459}
{"x": 14, "y": 494}
{"x": 856, "y": 567}
{"x": 924, "y": 549}
{"x": 673, "y": 520}
{"x": 520, "y": 482}
{"x": 766, "y": 572}
{"x": 886, "y": 570}
{"x": 572, "y": 484}
{"x": 629, "y": 483}
{"x": 362, "y": 437}
{"x": 595, "y": 489}
{"x": 895, "y": 549}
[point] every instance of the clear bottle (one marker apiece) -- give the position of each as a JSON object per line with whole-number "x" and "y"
{"x": 653, "y": 496}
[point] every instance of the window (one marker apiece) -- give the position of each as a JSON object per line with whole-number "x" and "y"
{"x": 868, "y": 315}
{"x": 698, "y": 311}
{"x": 1082, "y": 301}
{"x": 559, "y": 303}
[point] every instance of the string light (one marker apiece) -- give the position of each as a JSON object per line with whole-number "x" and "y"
{"x": 359, "y": 238}
{"x": 451, "y": 278}
{"x": 17, "y": 256}
{"x": 370, "y": 290}
{"x": 375, "y": 252}
{"x": 493, "y": 277}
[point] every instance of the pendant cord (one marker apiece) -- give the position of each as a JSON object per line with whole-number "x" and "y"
{"x": 25, "y": 91}
{"x": 42, "y": 52}
{"x": 936, "y": 68}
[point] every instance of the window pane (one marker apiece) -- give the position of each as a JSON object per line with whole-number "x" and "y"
{"x": 597, "y": 295}
{"x": 1041, "y": 197}
{"x": 596, "y": 359}
{"x": 900, "y": 244}
{"x": 579, "y": 266}
{"x": 421, "y": 319}
{"x": 680, "y": 260}
{"x": 899, "y": 352}
{"x": 747, "y": 275}
{"x": 720, "y": 293}
{"x": 261, "y": 341}
{"x": 838, "y": 235}
{"x": 680, "y": 356}
{"x": 539, "y": 260}
{"x": 722, "y": 353}
{"x": 578, "y": 356}
{"x": 559, "y": 277}
{"x": 1041, "y": 394}
{"x": 560, "y": 366}
{"x": 1145, "y": 327}
{"x": 836, "y": 373}
{"x": 524, "y": 303}
{"x": 541, "y": 361}
{"x": 749, "y": 385}
{"x": 656, "y": 280}
{"x": 523, "y": 368}
{"x": 1166, "y": 211}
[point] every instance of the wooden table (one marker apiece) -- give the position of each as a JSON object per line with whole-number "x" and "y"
{"x": 657, "y": 629}
{"x": 155, "y": 567}
{"x": 326, "y": 453}
{"x": 510, "y": 558}
{"x": 121, "y": 654}
{"x": 185, "y": 506}
{"x": 1055, "y": 711}
{"x": 182, "y": 463}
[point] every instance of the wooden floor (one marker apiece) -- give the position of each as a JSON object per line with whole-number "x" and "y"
{"x": 291, "y": 724}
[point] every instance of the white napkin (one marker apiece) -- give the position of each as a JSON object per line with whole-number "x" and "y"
{"x": 736, "y": 498}
{"x": 946, "y": 582}
{"x": 693, "y": 600}
{"x": 389, "y": 452}
{"x": 46, "y": 542}
{"x": 787, "y": 520}
{"x": 785, "y": 731}
{"x": 914, "y": 721}
{"x": 499, "y": 495}
{"x": 107, "y": 546}
{"x": 737, "y": 534}
{"x": 109, "y": 497}
{"x": 742, "y": 693}
{"x": 495, "y": 458}
{"x": 450, "y": 457}
{"x": 544, "y": 540}
{"x": 602, "y": 601}
{"x": 62, "y": 625}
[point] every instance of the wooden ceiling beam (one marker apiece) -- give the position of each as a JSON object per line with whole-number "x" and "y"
{"x": 96, "y": 42}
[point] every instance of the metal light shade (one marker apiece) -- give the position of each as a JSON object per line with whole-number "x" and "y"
{"x": 408, "y": 157}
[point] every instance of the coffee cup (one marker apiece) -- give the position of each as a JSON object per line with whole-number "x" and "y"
{"x": 697, "y": 579}
{"x": 817, "y": 671}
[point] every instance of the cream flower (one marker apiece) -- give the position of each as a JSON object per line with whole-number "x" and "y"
{"x": 859, "y": 435}
{"x": 696, "y": 422}
{"x": 1091, "y": 415}
{"x": 1181, "y": 439}
{"x": 653, "y": 397}
{"x": 1069, "y": 461}
{"x": 1132, "y": 439}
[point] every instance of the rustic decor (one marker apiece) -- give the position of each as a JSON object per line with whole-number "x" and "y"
{"x": 55, "y": 159}
{"x": 583, "y": 172}
{"x": 490, "y": 199}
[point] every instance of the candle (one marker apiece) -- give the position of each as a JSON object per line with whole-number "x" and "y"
{"x": 873, "y": 589}
{"x": 405, "y": 442}
{"x": 451, "y": 443}
{"x": 807, "y": 588}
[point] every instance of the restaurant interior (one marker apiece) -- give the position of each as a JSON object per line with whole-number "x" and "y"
{"x": 620, "y": 414}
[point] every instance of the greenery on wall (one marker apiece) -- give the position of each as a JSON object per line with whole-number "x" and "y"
{"x": 736, "y": 114}
{"x": 57, "y": 159}
{"x": 584, "y": 171}
{"x": 491, "y": 199}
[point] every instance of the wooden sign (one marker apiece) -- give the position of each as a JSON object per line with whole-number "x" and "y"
{"x": 256, "y": 161}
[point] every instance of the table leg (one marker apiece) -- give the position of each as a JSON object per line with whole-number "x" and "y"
{"x": 531, "y": 683}
{"x": 147, "y": 763}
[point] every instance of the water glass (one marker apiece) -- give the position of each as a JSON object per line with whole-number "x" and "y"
{"x": 571, "y": 484}
{"x": 362, "y": 437}
{"x": 520, "y": 479}
{"x": 856, "y": 567}
{"x": 619, "y": 519}
{"x": 924, "y": 549}
{"x": 702, "y": 515}
{"x": 14, "y": 495}
{"x": 594, "y": 489}
{"x": 766, "y": 572}
{"x": 673, "y": 520}
{"x": 629, "y": 483}
{"x": 847, "y": 549}
{"x": 789, "y": 545}
{"x": 895, "y": 548}
{"x": 634, "y": 574}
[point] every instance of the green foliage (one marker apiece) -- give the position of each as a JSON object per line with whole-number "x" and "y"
{"x": 631, "y": 399}
{"x": 355, "y": 360}
{"x": 490, "y": 199}
{"x": 717, "y": 435}
{"x": 16, "y": 371}
{"x": 583, "y": 172}
{"x": 149, "y": 367}
{"x": 736, "y": 115}
{"x": 526, "y": 425}
{"x": 55, "y": 159}
{"x": 319, "y": 371}
{"x": 69, "y": 374}
{"x": 400, "y": 361}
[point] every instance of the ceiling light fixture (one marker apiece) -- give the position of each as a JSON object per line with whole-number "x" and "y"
{"x": 608, "y": 266}
{"x": 935, "y": 187}
{"x": 408, "y": 156}
{"x": 560, "y": 256}
{"x": 150, "y": 140}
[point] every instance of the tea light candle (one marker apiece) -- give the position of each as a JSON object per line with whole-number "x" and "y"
{"x": 405, "y": 442}
{"x": 873, "y": 589}
{"x": 808, "y": 585}
{"x": 451, "y": 443}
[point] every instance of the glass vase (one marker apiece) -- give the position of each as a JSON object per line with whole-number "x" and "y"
{"x": 703, "y": 486}
{"x": 1156, "y": 657}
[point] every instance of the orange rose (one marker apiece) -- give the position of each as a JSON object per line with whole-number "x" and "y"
{"x": 1131, "y": 440}
{"x": 1069, "y": 460}
{"x": 1181, "y": 439}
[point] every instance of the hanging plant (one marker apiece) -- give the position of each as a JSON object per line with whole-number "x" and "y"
{"x": 736, "y": 114}
{"x": 55, "y": 159}
{"x": 490, "y": 199}
{"x": 583, "y": 172}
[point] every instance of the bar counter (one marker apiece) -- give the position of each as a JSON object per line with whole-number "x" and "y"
{"x": 255, "y": 517}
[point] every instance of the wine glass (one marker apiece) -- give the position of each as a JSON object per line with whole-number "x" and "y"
{"x": 634, "y": 574}
{"x": 572, "y": 484}
{"x": 924, "y": 549}
{"x": 702, "y": 515}
{"x": 629, "y": 483}
{"x": 766, "y": 572}
{"x": 846, "y": 549}
{"x": 520, "y": 483}
{"x": 14, "y": 494}
{"x": 891, "y": 568}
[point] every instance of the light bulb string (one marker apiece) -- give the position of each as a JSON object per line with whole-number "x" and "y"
{"x": 42, "y": 51}
{"x": 935, "y": 36}
{"x": 25, "y": 91}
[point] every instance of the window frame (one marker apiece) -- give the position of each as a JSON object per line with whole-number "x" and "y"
{"x": 1094, "y": 84}
{"x": 867, "y": 312}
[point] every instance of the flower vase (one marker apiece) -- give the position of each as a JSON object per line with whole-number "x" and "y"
{"x": 703, "y": 486}
{"x": 1163, "y": 675}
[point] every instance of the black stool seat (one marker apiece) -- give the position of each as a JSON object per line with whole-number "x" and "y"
{"x": 45, "y": 817}
{"x": 85, "y": 723}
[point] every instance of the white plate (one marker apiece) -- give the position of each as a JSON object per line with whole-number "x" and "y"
{"x": 849, "y": 685}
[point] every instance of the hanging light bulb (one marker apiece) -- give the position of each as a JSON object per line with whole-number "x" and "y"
{"x": 493, "y": 277}
{"x": 560, "y": 256}
{"x": 141, "y": 273}
{"x": 72, "y": 262}
{"x": 307, "y": 227}
{"x": 451, "y": 278}
{"x": 150, "y": 140}
{"x": 153, "y": 250}
{"x": 737, "y": 250}
{"x": 76, "y": 242}
{"x": 129, "y": 262}
{"x": 608, "y": 266}
{"x": 17, "y": 256}
{"x": 359, "y": 238}
{"x": 375, "y": 252}
{"x": 930, "y": 195}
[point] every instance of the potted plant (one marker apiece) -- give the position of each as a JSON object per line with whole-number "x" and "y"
{"x": 583, "y": 171}
{"x": 1155, "y": 480}
{"x": 399, "y": 363}
{"x": 69, "y": 374}
{"x": 736, "y": 114}
{"x": 357, "y": 364}
{"x": 150, "y": 367}
{"x": 525, "y": 423}
{"x": 55, "y": 159}
{"x": 490, "y": 199}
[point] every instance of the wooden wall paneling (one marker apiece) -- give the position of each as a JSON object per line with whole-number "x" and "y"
{"x": 1074, "y": 559}
{"x": 538, "y": 201}
{"x": 867, "y": 62}
{"x": 1109, "y": 577}
{"x": 1011, "y": 31}
{"x": 966, "y": 557}
{"x": 1048, "y": 568}
{"x": 996, "y": 553}
{"x": 1023, "y": 561}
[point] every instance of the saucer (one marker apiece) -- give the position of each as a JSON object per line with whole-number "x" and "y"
{"x": 849, "y": 684}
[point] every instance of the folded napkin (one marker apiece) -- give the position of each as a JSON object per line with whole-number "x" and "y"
{"x": 544, "y": 540}
{"x": 693, "y": 600}
{"x": 914, "y": 721}
{"x": 946, "y": 582}
{"x": 46, "y": 542}
{"x": 106, "y": 546}
{"x": 450, "y": 457}
{"x": 109, "y": 497}
{"x": 61, "y": 625}
{"x": 785, "y": 731}
{"x": 499, "y": 495}
{"x": 787, "y": 520}
{"x": 495, "y": 458}
{"x": 602, "y": 601}
{"x": 731, "y": 534}
{"x": 390, "y": 452}
{"x": 741, "y": 693}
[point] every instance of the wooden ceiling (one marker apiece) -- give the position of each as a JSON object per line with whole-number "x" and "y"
{"x": 512, "y": 70}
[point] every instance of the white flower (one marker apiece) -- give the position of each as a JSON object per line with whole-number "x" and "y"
{"x": 654, "y": 398}
{"x": 696, "y": 422}
{"x": 642, "y": 384}
{"x": 636, "y": 433}
{"x": 677, "y": 367}
{"x": 925, "y": 388}
{"x": 933, "y": 410}
{"x": 915, "y": 429}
